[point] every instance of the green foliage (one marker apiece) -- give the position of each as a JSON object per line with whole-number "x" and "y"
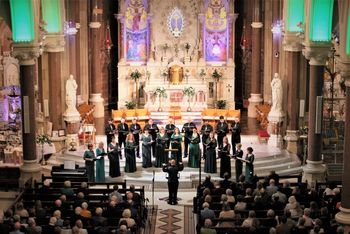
{"x": 135, "y": 75}
{"x": 160, "y": 92}
{"x": 42, "y": 139}
{"x": 130, "y": 105}
{"x": 216, "y": 75}
{"x": 189, "y": 91}
{"x": 221, "y": 104}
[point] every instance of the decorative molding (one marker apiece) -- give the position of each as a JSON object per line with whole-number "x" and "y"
{"x": 54, "y": 43}
{"x": 317, "y": 53}
{"x": 344, "y": 69}
{"x": 257, "y": 24}
{"x": 25, "y": 54}
{"x": 95, "y": 25}
{"x": 292, "y": 42}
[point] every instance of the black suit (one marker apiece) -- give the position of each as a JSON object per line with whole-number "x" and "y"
{"x": 188, "y": 130}
{"x": 109, "y": 131}
{"x": 205, "y": 131}
{"x": 173, "y": 181}
{"x": 153, "y": 130}
{"x": 123, "y": 131}
{"x": 222, "y": 130}
{"x": 136, "y": 129}
{"x": 236, "y": 136}
{"x": 169, "y": 129}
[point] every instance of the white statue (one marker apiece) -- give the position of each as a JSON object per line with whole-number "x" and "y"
{"x": 277, "y": 94}
{"x": 71, "y": 93}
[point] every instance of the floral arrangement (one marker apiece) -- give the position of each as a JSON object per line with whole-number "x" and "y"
{"x": 216, "y": 75}
{"x": 202, "y": 73}
{"x": 135, "y": 75}
{"x": 160, "y": 92}
{"x": 189, "y": 91}
{"x": 221, "y": 104}
{"x": 42, "y": 139}
{"x": 130, "y": 105}
{"x": 187, "y": 46}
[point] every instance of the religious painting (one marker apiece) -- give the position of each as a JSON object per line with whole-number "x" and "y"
{"x": 136, "y": 46}
{"x": 216, "y": 31}
{"x": 176, "y": 22}
{"x": 216, "y": 46}
{"x": 136, "y": 26}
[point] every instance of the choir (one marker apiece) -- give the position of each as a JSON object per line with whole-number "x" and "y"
{"x": 161, "y": 142}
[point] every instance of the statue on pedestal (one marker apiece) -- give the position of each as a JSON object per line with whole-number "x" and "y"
{"x": 71, "y": 93}
{"x": 277, "y": 94}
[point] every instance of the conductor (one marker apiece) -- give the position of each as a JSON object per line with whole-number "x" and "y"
{"x": 173, "y": 179}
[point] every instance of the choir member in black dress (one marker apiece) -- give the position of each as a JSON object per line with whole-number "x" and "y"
{"x": 188, "y": 130}
{"x": 161, "y": 146}
{"x": 130, "y": 159}
{"x": 175, "y": 142}
{"x": 225, "y": 159}
{"x": 123, "y": 131}
{"x": 147, "y": 141}
{"x": 89, "y": 157}
{"x": 153, "y": 130}
{"x": 135, "y": 128}
{"x": 238, "y": 163}
{"x": 110, "y": 130}
{"x": 210, "y": 157}
{"x": 205, "y": 130}
{"x": 113, "y": 156}
{"x": 221, "y": 130}
{"x": 236, "y": 135}
{"x": 169, "y": 129}
{"x": 249, "y": 166}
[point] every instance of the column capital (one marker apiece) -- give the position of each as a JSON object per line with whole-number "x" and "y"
{"x": 54, "y": 43}
{"x": 292, "y": 42}
{"x": 94, "y": 25}
{"x": 26, "y": 54}
{"x": 317, "y": 53}
{"x": 257, "y": 24}
{"x": 343, "y": 67}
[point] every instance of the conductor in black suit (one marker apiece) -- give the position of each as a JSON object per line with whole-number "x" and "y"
{"x": 153, "y": 130}
{"x": 222, "y": 130}
{"x": 123, "y": 131}
{"x": 173, "y": 179}
{"x": 110, "y": 131}
{"x": 188, "y": 130}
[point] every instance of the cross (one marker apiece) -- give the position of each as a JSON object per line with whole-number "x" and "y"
{"x": 229, "y": 86}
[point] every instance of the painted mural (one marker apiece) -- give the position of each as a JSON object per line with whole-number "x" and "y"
{"x": 176, "y": 22}
{"x": 136, "y": 23}
{"x": 215, "y": 31}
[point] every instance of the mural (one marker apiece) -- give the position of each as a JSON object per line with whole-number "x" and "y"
{"x": 136, "y": 24}
{"x": 216, "y": 31}
{"x": 176, "y": 22}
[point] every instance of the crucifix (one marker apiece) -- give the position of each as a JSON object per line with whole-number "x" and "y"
{"x": 229, "y": 86}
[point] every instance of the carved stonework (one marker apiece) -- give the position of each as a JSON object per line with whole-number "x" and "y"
{"x": 26, "y": 55}
{"x": 11, "y": 71}
{"x": 344, "y": 70}
{"x": 292, "y": 42}
{"x": 54, "y": 43}
{"x": 317, "y": 53}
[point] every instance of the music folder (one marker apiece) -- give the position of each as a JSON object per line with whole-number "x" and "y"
{"x": 69, "y": 165}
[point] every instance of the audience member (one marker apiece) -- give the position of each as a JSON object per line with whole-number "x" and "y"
{"x": 206, "y": 229}
{"x": 17, "y": 228}
{"x": 207, "y": 213}
{"x": 226, "y": 213}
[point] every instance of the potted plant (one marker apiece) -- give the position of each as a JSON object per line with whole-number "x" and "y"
{"x": 216, "y": 75}
{"x": 135, "y": 76}
{"x": 160, "y": 92}
{"x": 221, "y": 104}
{"x": 189, "y": 92}
{"x": 41, "y": 140}
{"x": 187, "y": 47}
{"x": 165, "y": 48}
{"x": 130, "y": 105}
{"x": 202, "y": 74}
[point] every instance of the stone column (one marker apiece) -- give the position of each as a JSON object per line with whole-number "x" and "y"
{"x": 343, "y": 216}
{"x": 255, "y": 96}
{"x": 292, "y": 47}
{"x": 27, "y": 58}
{"x": 314, "y": 169}
{"x": 96, "y": 75}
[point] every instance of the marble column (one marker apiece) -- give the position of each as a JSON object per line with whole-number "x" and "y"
{"x": 314, "y": 170}
{"x": 292, "y": 48}
{"x": 27, "y": 58}
{"x": 343, "y": 216}
{"x": 255, "y": 96}
{"x": 96, "y": 74}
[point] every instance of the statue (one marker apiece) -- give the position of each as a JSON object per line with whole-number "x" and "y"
{"x": 277, "y": 94}
{"x": 71, "y": 93}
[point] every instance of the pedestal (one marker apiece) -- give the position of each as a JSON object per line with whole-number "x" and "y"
{"x": 255, "y": 99}
{"x": 314, "y": 171}
{"x": 72, "y": 118}
{"x": 274, "y": 128}
{"x": 29, "y": 169}
{"x": 97, "y": 100}
{"x": 343, "y": 217}
{"x": 291, "y": 138}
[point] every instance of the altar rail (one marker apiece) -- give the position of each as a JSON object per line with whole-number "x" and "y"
{"x": 142, "y": 115}
{"x": 213, "y": 115}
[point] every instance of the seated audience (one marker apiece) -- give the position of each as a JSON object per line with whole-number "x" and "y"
{"x": 207, "y": 213}
{"x": 127, "y": 217}
{"x": 206, "y": 229}
{"x": 226, "y": 213}
{"x": 67, "y": 190}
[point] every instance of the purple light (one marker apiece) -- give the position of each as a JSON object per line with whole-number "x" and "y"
{"x": 216, "y": 49}
{"x": 277, "y": 27}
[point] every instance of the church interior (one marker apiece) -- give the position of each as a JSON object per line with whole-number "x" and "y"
{"x": 177, "y": 116}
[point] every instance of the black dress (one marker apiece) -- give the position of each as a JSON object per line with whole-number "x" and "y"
{"x": 236, "y": 136}
{"x": 210, "y": 156}
{"x": 152, "y": 130}
{"x": 169, "y": 128}
{"x": 176, "y": 140}
{"x": 205, "y": 131}
{"x": 161, "y": 154}
{"x": 130, "y": 159}
{"x": 225, "y": 160}
{"x": 113, "y": 156}
{"x": 136, "y": 129}
{"x": 238, "y": 163}
{"x": 222, "y": 130}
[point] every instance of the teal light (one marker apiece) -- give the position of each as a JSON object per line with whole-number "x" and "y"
{"x": 52, "y": 15}
{"x": 295, "y": 15}
{"x": 22, "y": 19}
{"x": 347, "y": 50}
{"x": 321, "y": 15}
